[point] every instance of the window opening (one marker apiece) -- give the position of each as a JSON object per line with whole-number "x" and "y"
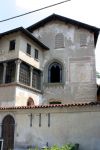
{"x": 28, "y": 49}
{"x": 24, "y": 76}
{"x": 10, "y": 72}
{"x": 12, "y": 45}
{"x": 36, "y": 54}
{"x": 55, "y": 102}
{"x": 36, "y": 79}
{"x": 1, "y": 73}
{"x": 55, "y": 73}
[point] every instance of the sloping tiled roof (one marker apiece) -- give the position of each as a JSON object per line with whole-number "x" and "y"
{"x": 66, "y": 20}
{"x": 27, "y": 33}
{"x": 51, "y": 106}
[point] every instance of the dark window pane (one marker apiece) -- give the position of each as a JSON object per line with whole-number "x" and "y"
{"x": 1, "y": 73}
{"x": 12, "y": 45}
{"x": 10, "y": 72}
{"x": 28, "y": 49}
{"x": 55, "y": 73}
{"x": 55, "y": 102}
{"x": 36, "y": 53}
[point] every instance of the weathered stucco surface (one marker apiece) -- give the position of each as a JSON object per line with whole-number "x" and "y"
{"x": 78, "y": 61}
{"x": 57, "y": 125}
{"x": 67, "y": 125}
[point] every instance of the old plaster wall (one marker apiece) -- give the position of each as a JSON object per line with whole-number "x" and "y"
{"x": 30, "y": 59}
{"x": 5, "y": 54}
{"x": 23, "y": 94}
{"x": 75, "y": 127}
{"x": 13, "y": 95}
{"x": 7, "y": 95}
{"x": 20, "y": 49}
{"x": 10, "y": 94}
{"x": 77, "y": 58}
{"x": 79, "y": 126}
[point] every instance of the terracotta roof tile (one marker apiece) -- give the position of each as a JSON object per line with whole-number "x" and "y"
{"x": 51, "y": 106}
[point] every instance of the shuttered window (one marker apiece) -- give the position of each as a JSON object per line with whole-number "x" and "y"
{"x": 59, "y": 40}
{"x": 83, "y": 39}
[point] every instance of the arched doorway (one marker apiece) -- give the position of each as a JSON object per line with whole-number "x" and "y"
{"x": 8, "y": 125}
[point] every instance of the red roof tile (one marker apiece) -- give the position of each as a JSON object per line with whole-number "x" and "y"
{"x": 51, "y": 106}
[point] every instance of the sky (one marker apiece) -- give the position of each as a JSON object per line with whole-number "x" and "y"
{"x": 86, "y": 11}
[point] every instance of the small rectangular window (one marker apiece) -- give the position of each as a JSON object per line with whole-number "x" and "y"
{"x": 54, "y": 102}
{"x": 28, "y": 50}
{"x": 36, "y": 54}
{"x": 12, "y": 45}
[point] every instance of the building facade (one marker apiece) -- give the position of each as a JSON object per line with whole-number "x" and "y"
{"x": 20, "y": 69}
{"x": 47, "y": 75}
{"x": 71, "y": 59}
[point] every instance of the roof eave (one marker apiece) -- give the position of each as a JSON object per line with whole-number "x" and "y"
{"x": 27, "y": 33}
{"x": 61, "y": 18}
{"x": 96, "y": 103}
{"x": 66, "y": 20}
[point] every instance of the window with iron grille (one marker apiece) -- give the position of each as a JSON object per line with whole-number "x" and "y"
{"x": 24, "y": 76}
{"x": 28, "y": 50}
{"x": 36, "y": 79}
{"x": 12, "y": 45}
{"x": 10, "y": 72}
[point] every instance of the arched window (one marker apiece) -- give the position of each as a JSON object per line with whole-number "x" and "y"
{"x": 55, "y": 73}
{"x": 30, "y": 102}
{"x": 59, "y": 40}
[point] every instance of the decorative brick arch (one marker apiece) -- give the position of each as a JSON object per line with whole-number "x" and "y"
{"x": 30, "y": 102}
